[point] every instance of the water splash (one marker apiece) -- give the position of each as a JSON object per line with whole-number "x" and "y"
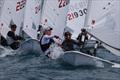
{"x": 116, "y": 65}
{"x": 6, "y": 51}
{"x": 55, "y": 51}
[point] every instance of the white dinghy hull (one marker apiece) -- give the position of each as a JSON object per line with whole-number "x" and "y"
{"x": 30, "y": 46}
{"x": 77, "y": 58}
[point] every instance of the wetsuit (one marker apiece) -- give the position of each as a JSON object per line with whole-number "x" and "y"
{"x": 82, "y": 37}
{"x": 45, "y": 42}
{"x": 68, "y": 45}
{"x": 12, "y": 40}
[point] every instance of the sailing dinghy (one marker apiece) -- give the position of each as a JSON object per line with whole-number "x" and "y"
{"x": 31, "y": 23}
{"x": 54, "y": 14}
{"x": 11, "y": 12}
{"x": 19, "y": 14}
{"x": 77, "y": 58}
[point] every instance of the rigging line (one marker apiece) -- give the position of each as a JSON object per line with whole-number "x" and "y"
{"x": 103, "y": 41}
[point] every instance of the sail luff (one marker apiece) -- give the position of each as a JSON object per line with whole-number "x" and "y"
{"x": 86, "y": 17}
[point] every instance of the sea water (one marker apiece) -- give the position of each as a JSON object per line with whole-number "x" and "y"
{"x": 40, "y": 67}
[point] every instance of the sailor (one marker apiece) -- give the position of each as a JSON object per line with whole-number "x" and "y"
{"x": 47, "y": 39}
{"x": 82, "y": 37}
{"x": 12, "y": 39}
{"x": 39, "y": 32}
{"x": 68, "y": 43}
{"x": 96, "y": 47}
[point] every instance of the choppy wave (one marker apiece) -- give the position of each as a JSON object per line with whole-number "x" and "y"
{"x": 6, "y": 51}
{"x": 32, "y": 67}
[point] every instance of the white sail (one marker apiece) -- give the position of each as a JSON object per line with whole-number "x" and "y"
{"x": 12, "y": 12}
{"x": 76, "y": 15}
{"x": 54, "y": 15}
{"x": 103, "y": 21}
{"x": 1, "y": 6}
{"x": 32, "y": 17}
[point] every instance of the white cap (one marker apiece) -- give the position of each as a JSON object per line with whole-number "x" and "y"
{"x": 48, "y": 28}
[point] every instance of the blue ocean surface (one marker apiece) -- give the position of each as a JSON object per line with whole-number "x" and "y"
{"x": 39, "y": 67}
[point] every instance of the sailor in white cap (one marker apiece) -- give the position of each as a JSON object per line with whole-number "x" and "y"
{"x": 47, "y": 39}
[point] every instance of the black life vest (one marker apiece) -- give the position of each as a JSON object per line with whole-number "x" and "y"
{"x": 44, "y": 47}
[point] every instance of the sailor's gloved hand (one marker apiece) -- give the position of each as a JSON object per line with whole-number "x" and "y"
{"x": 56, "y": 36}
{"x": 19, "y": 38}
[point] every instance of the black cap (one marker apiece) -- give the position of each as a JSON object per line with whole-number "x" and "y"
{"x": 83, "y": 30}
{"x": 13, "y": 26}
{"x": 67, "y": 33}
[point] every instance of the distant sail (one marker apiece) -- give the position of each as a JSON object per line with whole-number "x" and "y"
{"x": 32, "y": 17}
{"x": 54, "y": 15}
{"x": 76, "y": 15}
{"x": 12, "y": 12}
{"x": 103, "y": 22}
